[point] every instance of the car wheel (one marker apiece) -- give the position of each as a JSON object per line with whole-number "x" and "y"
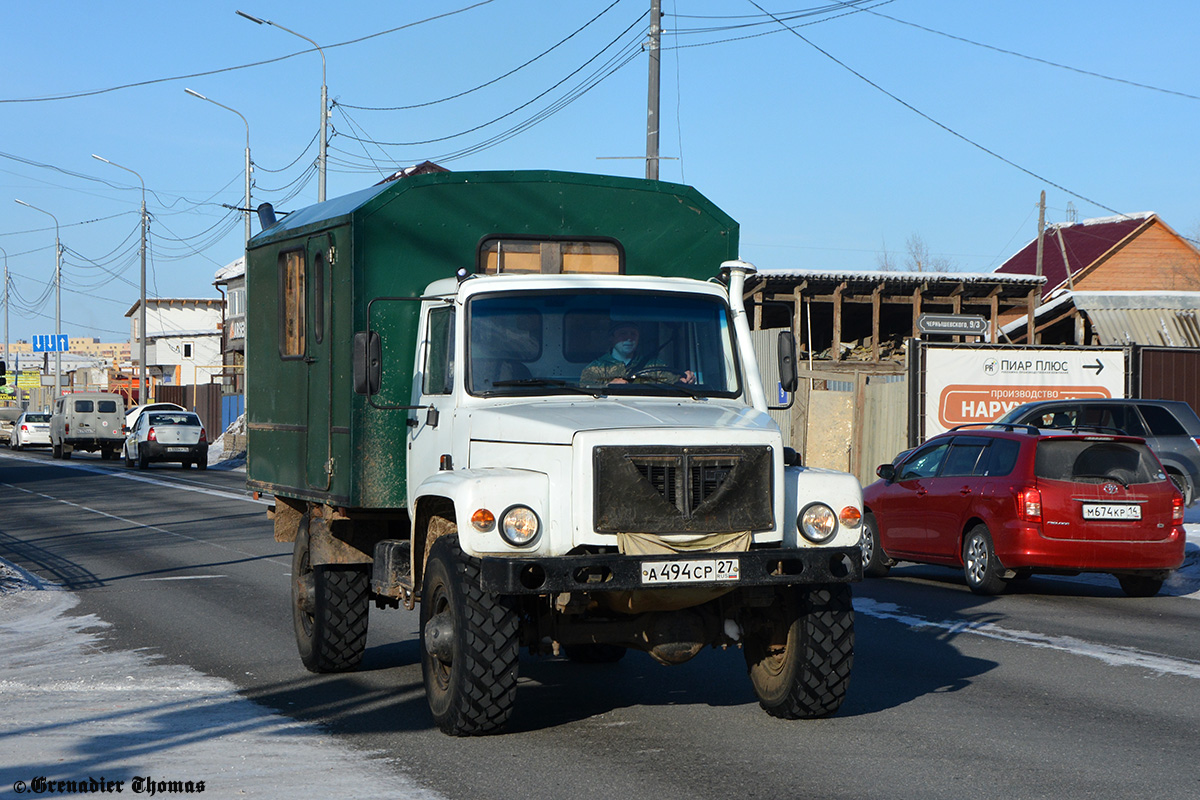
{"x": 1183, "y": 485}
{"x": 330, "y": 604}
{"x": 800, "y": 652}
{"x": 125, "y": 456}
{"x": 469, "y": 645}
{"x": 201, "y": 464}
{"x": 876, "y": 563}
{"x": 15, "y": 444}
{"x": 982, "y": 569}
{"x": 142, "y": 460}
{"x": 1140, "y": 585}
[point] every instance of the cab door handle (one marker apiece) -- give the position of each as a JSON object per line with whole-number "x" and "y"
{"x": 964, "y": 491}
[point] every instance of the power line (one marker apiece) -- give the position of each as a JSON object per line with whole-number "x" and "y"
{"x": 497, "y": 79}
{"x": 928, "y": 118}
{"x": 152, "y": 81}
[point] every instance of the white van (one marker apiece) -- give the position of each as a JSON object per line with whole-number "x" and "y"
{"x": 90, "y": 421}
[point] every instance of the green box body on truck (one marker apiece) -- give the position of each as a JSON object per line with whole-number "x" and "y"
{"x": 523, "y": 401}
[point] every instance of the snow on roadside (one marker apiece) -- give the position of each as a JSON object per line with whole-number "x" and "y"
{"x": 74, "y": 711}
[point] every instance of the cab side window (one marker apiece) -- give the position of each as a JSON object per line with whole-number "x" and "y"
{"x": 439, "y": 352}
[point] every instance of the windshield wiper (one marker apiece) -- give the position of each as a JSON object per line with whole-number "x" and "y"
{"x": 556, "y": 383}
{"x": 684, "y": 388}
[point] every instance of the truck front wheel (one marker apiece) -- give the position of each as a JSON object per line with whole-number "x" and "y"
{"x": 799, "y": 661}
{"x": 469, "y": 645}
{"x": 329, "y": 610}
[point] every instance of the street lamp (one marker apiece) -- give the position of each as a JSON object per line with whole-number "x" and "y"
{"x": 57, "y": 300}
{"x": 143, "y": 387}
{"x": 324, "y": 101}
{"x": 227, "y": 108}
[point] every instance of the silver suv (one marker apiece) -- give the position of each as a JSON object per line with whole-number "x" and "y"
{"x": 1170, "y": 427}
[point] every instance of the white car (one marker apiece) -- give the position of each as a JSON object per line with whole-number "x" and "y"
{"x": 32, "y": 429}
{"x": 131, "y": 416}
{"x": 165, "y": 435}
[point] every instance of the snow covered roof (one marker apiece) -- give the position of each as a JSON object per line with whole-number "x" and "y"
{"x": 876, "y": 276}
{"x": 234, "y": 269}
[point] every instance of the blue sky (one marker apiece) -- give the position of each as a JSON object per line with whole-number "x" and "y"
{"x": 829, "y": 143}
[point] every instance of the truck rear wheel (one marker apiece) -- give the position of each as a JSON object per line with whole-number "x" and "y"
{"x": 469, "y": 645}
{"x": 800, "y": 663}
{"x": 330, "y": 605}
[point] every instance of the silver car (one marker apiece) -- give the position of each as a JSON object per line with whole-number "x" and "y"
{"x": 32, "y": 429}
{"x": 166, "y": 436}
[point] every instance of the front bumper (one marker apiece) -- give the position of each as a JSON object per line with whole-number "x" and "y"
{"x": 611, "y": 572}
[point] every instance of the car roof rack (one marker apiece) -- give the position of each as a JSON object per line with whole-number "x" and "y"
{"x": 1008, "y": 426}
{"x": 1105, "y": 429}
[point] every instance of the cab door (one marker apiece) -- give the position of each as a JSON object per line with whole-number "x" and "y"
{"x": 318, "y": 446}
{"x": 432, "y": 416}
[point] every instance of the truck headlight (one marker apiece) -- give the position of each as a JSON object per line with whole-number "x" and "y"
{"x": 519, "y": 525}
{"x": 818, "y": 523}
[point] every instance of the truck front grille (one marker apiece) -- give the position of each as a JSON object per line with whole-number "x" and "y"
{"x": 683, "y": 489}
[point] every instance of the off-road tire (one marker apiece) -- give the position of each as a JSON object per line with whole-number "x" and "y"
{"x": 800, "y": 663}
{"x": 876, "y": 563}
{"x": 981, "y": 568}
{"x": 331, "y": 627}
{"x": 1140, "y": 585}
{"x": 56, "y": 450}
{"x": 472, "y": 693}
{"x": 594, "y": 653}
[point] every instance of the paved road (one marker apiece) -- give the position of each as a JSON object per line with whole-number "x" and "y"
{"x": 1060, "y": 688}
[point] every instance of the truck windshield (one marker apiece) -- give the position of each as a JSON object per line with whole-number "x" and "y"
{"x": 600, "y": 342}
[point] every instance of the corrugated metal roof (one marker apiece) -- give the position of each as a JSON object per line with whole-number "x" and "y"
{"x": 1151, "y": 318}
{"x": 1119, "y": 318}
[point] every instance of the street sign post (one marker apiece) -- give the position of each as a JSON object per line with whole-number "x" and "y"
{"x": 952, "y": 324}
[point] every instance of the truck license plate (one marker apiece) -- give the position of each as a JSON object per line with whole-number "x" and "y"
{"x": 1111, "y": 511}
{"x": 704, "y": 570}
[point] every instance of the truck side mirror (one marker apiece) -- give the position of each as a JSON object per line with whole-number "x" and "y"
{"x": 368, "y": 361}
{"x": 787, "y": 361}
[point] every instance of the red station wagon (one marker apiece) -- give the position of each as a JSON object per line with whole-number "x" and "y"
{"x": 1004, "y": 501}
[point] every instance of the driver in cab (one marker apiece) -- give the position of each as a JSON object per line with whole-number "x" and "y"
{"x": 623, "y": 364}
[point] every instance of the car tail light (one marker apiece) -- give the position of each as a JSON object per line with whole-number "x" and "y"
{"x": 203, "y": 435}
{"x": 151, "y": 436}
{"x": 1177, "y": 508}
{"x": 1029, "y": 505}
{"x": 25, "y": 428}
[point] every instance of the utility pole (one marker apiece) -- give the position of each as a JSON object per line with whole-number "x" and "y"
{"x": 57, "y": 299}
{"x": 2, "y": 250}
{"x": 143, "y": 386}
{"x": 1041, "y": 237}
{"x": 324, "y": 140}
{"x": 652, "y": 96}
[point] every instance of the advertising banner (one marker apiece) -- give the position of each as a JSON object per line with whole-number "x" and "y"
{"x": 980, "y": 385}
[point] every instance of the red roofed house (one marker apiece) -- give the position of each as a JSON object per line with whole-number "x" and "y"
{"x": 1113, "y": 280}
